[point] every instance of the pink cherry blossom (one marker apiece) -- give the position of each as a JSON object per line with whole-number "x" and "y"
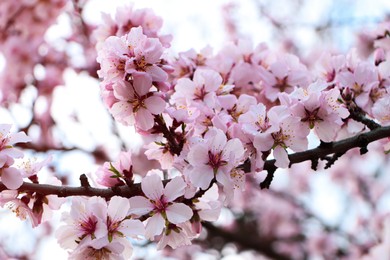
{"x": 201, "y": 89}
{"x": 133, "y": 53}
{"x": 282, "y": 75}
{"x": 9, "y": 199}
{"x": 116, "y": 173}
{"x": 85, "y": 222}
{"x": 136, "y": 105}
{"x": 160, "y": 152}
{"x": 213, "y": 157}
{"x": 254, "y": 120}
{"x": 101, "y": 248}
{"x": 159, "y": 203}
{"x": 381, "y": 110}
{"x": 207, "y": 208}
{"x": 361, "y": 82}
{"x": 30, "y": 166}
{"x": 286, "y": 132}
{"x": 176, "y": 236}
{"x": 147, "y": 53}
{"x": 118, "y": 225}
{"x": 318, "y": 109}
{"x": 7, "y": 140}
{"x": 236, "y": 107}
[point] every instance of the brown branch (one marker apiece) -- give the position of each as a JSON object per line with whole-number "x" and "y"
{"x": 361, "y": 140}
{"x": 358, "y": 114}
{"x": 65, "y": 191}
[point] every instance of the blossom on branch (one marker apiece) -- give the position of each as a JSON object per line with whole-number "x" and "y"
{"x": 159, "y": 204}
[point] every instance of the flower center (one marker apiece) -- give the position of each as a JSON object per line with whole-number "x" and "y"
{"x": 160, "y": 205}
{"x": 88, "y": 226}
{"x": 215, "y": 160}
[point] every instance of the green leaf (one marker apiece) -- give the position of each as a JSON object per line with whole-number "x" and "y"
{"x": 114, "y": 171}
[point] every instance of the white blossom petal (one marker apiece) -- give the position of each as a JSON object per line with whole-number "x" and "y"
{"x": 178, "y": 213}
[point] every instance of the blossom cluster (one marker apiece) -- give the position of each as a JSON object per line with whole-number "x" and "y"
{"x": 211, "y": 120}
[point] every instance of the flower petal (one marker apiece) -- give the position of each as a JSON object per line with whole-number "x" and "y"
{"x": 144, "y": 119}
{"x": 178, "y": 213}
{"x": 11, "y": 178}
{"x": 118, "y": 208}
{"x": 201, "y": 176}
{"x": 281, "y": 157}
{"x": 155, "y": 104}
{"x": 132, "y": 227}
{"x": 198, "y": 155}
{"x": 140, "y": 205}
{"x": 154, "y": 226}
{"x": 174, "y": 189}
{"x": 152, "y": 186}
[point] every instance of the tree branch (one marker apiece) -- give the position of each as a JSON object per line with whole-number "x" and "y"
{"x": 65, "y": 191}
{"x": 361, "y": 140}
{"x": 339, "y": 147}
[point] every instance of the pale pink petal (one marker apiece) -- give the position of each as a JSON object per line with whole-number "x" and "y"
{"x": 3, "y": 160}
{"x": 326, "y": 130}
{"x": 140, "y": 205}
{"x": 20, "y": 137}
{"x": 174, "y": 189}
{"x": 123, "y": 90}
{"x": 155, "y": 104}
{"x": 142, "y": 84}
{"x": 279, "y": 69}
{"x": 118, "y": 208}
{"x": 157, "y": 73}
{"x": 235, "y": 147}
{"x": 263, "y": 141}
{"x": 144, "y": 119}
{"x": 65, "y": 236}
{"x": 198, "y": 155}
{"x": 136, "y": 37}
{"x": 131, "y": 227}
{"x": 201, "y": 176}
{"x": 152, "y": 186}
{"x": 152, "y": 49}
{"x": 97, "y": 205}
{"x": 123, "y": 112}
{"x": 281, "y": 157}
{"x": 218, "y": 142}
{"x": 4, "y": 129}
{"x": 211, "y": 214}
{"x": 224, "y": 179}
{"x": 13, "y": 152}
{"x": 11, "y": 178}
{"x": 178, "y": 213}
{"x": 154, "y": 226}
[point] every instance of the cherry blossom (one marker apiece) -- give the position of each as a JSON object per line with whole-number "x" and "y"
{"x": 84, "y": 223}
{"x": 10, "y": 176}
{"x": 101, "y": 248}
{"x": 116, "y": 173}
{"x": 286, "y": 132}
{"x": 136, "y": 105}
{"x": 118, "y": 225}
{"x": 7, "y": 151}
{"x": 202, "y": 88}
{"x": 381, "y": 110}
{"x": 213, "y": 157}
{"x": 159, "y": 203}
